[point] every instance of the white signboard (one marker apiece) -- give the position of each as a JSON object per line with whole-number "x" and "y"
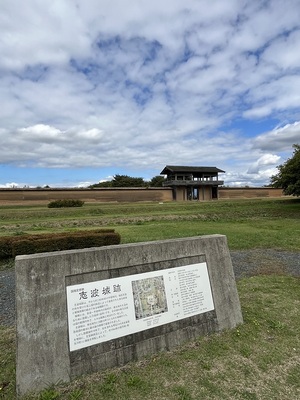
{"x": 111, "y": 308}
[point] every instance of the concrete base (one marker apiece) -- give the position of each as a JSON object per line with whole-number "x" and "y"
{"x": 43, "y": 356}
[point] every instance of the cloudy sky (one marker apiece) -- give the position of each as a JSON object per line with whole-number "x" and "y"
{"x": 94, "y": 88}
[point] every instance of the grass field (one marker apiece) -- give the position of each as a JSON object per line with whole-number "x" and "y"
{"x": 258, "y": 223}
{"x": 258, "y": 360}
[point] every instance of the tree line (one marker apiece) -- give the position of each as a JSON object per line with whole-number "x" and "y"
{"x": 129, "y": 181}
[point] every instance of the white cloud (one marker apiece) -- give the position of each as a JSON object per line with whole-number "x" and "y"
{"x": 43, "y": 32}
{"x": 279, "y": 139}
{"x": 243, "y": 179}
{"x": 281, "y": 52}
{"x": 262, "y": 162}
{"x": 143, "y": 84}
{"x": 11, "y": 185}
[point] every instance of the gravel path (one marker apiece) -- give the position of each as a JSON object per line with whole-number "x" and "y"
{"x": 7, "y": 297}
{"x": 245, "y": 263}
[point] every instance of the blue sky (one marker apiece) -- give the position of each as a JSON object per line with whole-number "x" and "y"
{"x": 94, "y": 88}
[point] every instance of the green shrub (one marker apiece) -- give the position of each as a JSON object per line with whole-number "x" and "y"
{"x": 65, "y": 203}
{"x": 6, "y": 247}
{"x": 31, "y": 244}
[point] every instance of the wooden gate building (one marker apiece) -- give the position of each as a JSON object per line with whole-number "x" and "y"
{"x": 192, "y": 183}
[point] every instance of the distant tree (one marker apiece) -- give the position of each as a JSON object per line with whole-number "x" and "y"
{"x": 157, "y": 181}
{"x": 288, "y": 177}
{"x": 121, "y": 181}
{"x": 127, "y": 181}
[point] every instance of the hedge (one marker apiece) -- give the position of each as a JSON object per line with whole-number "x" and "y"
{"x": 30, "y": 244}
{"x": 65, "y": 203}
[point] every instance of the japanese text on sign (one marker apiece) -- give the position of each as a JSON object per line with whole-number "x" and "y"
{"x": 105, "y": 310}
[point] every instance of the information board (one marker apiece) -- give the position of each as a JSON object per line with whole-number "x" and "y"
{"x": 108, "y": 309}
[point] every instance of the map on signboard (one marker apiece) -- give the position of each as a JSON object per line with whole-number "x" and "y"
{"x": 149, "y": 297}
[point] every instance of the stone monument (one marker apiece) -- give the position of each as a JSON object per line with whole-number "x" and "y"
{"x": 81, "y": 311}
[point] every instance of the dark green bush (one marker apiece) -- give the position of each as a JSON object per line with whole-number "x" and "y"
{"x": 6, "y": 247}
{"x": 65, "y": 203}
{"x": 31, "y": 244}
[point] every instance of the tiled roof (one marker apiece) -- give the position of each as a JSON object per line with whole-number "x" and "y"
{"x": 185, "y": 169}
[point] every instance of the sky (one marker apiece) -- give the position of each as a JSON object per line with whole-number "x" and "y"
{"x": 94, "y": 88}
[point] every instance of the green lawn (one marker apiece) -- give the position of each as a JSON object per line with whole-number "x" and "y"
{"x": 263, "y": 223}
{"x": 258, "y": 360}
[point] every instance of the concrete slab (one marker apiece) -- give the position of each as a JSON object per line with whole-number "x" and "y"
{"x": 43, "y": 354}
